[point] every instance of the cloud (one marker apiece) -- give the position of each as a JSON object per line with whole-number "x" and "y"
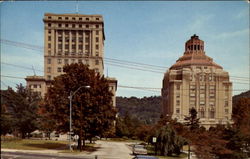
{"x": 199, "y": 22}
{"x": 233, "y": 34}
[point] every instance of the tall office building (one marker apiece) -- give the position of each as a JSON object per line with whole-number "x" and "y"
{"x": 195, "y": 81}
{"x": 71, "y": 38}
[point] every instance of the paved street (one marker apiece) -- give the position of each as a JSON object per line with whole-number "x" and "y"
{"x": 113, "y": 150}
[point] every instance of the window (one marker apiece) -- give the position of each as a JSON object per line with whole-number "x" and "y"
{"x": 48, "y": 61}
{"x": 177, "y": 102}
{"x": 97, "y": 26}
{"x": 202, "y": 113}
{"x": 80, "y": 25}
{"x": 97, "y": 32}
{"x": 178, "y": 110}
{"x": 49, "y": 45}
{"x": 212, "y": 114}
{"x": 59, "y": 25}
{"x": 87, "y": 18}
{"x": 49, "y": 77}
{"x": 87, "y": 39}
{"x": 49, "y": 31}
{"x": 79, "y": 60}
{"x": 72, "y": 60}
{"x": 80, "y": 18}
{"x": 49, "y": 38}
{"x": 49, "y": 24}
{"x": 96, "y": 62}
{"x": 66, "y": 18}
{"x": 49, "y": 69}
{"x": 73, "y": 25}
{"x": 177, "y": 95}
{"x": 59, "y": 61}
{"x": 178, "y": 87}
{"x": 73, "y": 46}
{"x": 67, "y": 46}
{"x": 226, "y": 103}
{"x": 66, "y": 25}
{"x": 66, "y": 61}
{"x": 226, "y": 111}
{"x": 87, "y": 26}
{"x": 97, "y": 18}
{"x": 59, "y": 69}
{"x": 96, "y": 47}
{"x": 97, "y": 39}
{"x": 59, "y": 17}
{"x": 96, "y": 54}
{"x": 35, "y": 86}
{"x": 87, "y": 47}
{"x": 49, "y": 17}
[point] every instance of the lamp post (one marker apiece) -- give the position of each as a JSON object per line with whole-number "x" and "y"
{"x": 70, "y": 112}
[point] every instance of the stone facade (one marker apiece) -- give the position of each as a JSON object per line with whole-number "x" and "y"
{"x": 195, "y": 81}
{"x": 71, "y": 38}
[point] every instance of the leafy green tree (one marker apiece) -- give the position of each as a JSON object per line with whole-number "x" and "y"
{"x": 92, "y": 110}
{"x": 22, "y": 107}
{"x": 168, "y": 142}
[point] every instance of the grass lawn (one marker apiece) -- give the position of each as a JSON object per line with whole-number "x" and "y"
{"x": 28, "y": 144}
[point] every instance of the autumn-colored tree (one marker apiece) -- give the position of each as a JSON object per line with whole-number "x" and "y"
{"x": 92, "y": 110}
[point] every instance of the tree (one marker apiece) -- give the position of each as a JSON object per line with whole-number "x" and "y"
{"x": 22, "y": 107}
{"x": 92, "y": 110}
{"x": 168, "y": 142}
{"x": 192, "y": 120}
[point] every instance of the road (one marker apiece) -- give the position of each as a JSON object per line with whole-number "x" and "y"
{"x": 113, "y": 150}
{"x": 106, "y": 150}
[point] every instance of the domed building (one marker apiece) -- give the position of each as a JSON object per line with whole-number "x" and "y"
{"x": 195, "y": 81}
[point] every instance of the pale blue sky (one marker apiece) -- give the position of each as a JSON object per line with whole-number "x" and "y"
{"x": 145, "y": 32}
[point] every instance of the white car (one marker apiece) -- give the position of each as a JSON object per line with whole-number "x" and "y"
{"x": 139, "y": 150}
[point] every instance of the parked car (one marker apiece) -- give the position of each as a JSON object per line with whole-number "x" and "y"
{"x": 144, "y": 157}
{"x": 139, "y": 150}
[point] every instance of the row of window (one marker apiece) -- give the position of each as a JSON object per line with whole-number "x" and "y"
{"x": 66, "y": 61}
{"x": 73, "y": 18}
{"x": 72, "y": 25}
{"x": 60, "y": 69}
{"x": 35, "y": 86}
{"x": 195, "y": 47}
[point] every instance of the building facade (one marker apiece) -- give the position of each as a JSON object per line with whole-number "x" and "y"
{"x": 195, "y": 81}
{"x": 71, "y": 38}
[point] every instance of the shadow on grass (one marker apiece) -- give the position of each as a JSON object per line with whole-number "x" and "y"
{"x": 47, "y": 145}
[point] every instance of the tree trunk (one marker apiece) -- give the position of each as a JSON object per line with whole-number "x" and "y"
{"x": 23, "y": 135}
{"x": 79, "y": 146}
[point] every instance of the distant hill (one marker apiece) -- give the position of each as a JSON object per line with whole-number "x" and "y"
{"x": 147, "y": 109}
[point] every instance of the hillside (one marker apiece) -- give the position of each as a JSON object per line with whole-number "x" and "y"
{"x": 147, "y": 109}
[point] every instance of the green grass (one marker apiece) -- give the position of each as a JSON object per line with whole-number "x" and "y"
{"x": 28, "y": 144}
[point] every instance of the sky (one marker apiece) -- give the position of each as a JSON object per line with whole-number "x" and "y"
{"x": 142, "y": 31}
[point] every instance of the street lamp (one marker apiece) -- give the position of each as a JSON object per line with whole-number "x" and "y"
{"x": 70, "y": 112}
